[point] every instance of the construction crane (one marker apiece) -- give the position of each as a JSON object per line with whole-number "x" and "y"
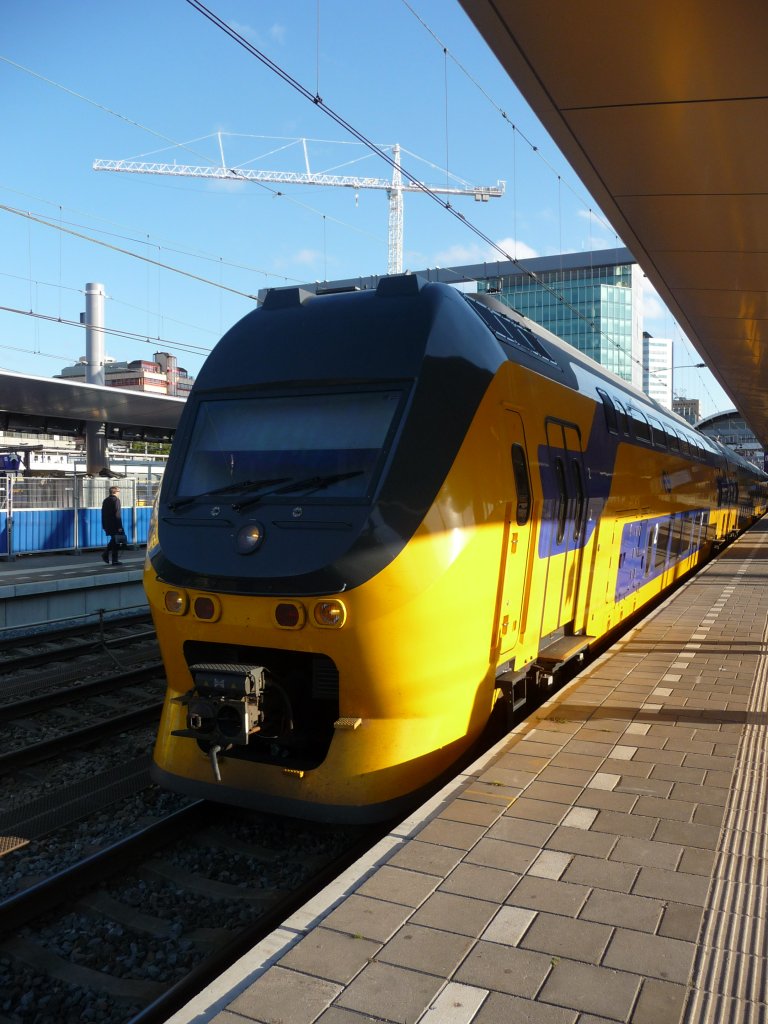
{"x": 394, "y": 188}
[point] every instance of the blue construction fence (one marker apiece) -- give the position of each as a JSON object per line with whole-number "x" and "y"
{"x": 64, "y": 513}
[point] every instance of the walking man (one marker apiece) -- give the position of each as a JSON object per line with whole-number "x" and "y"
{"x": 112, "y": 524}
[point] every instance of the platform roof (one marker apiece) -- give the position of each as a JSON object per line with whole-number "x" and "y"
{"x": 60, "y": 406}
{"x": 661, "y": 109}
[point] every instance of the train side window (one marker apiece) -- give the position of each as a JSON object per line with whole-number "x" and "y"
{"x": 609, "y": 409}
{"x": 662, "y": 543}
{"x": 522, "y": 485}
{"x": 677, "y": 544}
{"x": 659, "y": 436}
{"x": 642, "y": 427}
{"x": 562, "y": 500}
{"x": 673, "y": 441}
{"x": 578, "y": 485}
{"x": 623, "y": 417}
{"x": 653, "y": 533}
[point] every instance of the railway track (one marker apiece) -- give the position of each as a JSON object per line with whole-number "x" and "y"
{"x": 131, "y": 933}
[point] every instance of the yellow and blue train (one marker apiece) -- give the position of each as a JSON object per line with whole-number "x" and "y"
{"x": 385, "y": 510}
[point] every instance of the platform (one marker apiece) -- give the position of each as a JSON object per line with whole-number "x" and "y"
{"x": 42, "y": 592}
{"x": 605, "y": 862}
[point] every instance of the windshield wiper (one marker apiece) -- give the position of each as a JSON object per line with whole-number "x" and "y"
{"x": 306, "y": 486}
{"x": 242, "y": 485}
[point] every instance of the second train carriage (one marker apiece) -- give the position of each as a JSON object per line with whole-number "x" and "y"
{"x": 383, "y": 510}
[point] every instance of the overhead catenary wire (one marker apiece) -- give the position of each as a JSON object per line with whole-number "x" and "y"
{"x": 318, "y": 101}
{"x": 176, "y": 346}
{"x": 125, "y": 252}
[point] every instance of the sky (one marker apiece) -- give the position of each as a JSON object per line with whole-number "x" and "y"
{"x": 181, "y": 258}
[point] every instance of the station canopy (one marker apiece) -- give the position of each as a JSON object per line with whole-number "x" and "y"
{"x": 661, "y": 110}
{"x": 43, "y": 405}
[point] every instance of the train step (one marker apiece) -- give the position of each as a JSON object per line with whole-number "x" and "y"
{"x": 562, "y": 650}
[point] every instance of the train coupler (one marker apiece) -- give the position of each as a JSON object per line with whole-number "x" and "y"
{"x": 225, "y": 706}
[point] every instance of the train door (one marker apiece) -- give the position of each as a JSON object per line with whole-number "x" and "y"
{"x": 565, "y": 511}
{"x": 515, "y": 569}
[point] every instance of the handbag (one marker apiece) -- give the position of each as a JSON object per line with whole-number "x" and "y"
{"x": 120, "y": 539}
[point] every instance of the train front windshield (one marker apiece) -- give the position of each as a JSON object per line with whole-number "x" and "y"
{"x": 324, "y": 446}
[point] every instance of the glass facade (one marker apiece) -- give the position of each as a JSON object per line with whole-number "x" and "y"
{"x": 594, "y": 308}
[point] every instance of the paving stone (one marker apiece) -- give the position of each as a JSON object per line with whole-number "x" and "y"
{"x": 384, "y": 990}
{"x": 470, "y": 811}
{"x": 650, "y": 955}
{"x": 456, "y": 1004}
{"x": 601, "y": 874}
{"x": 521, "y": 830}
{"x": 508, "y": 969}
{"x": 371, "y": 919}
{"x": 591, "y": 989}
{"x": 644, "y": 786}
{"x": 700, "y": 794}
{"x": 623, "y": 910}
{"x": 659, "y": 1002}
{"x": 426, "y": 949}
{"x": 509, "y": 926}
{"x": 330, "y": 955}
{"x": 555, "y": 792}
{"x": 636, "y": 825}
{"x": 496, "y": 853}
{"x": 550, "y": 864}
{"x": 580, "y": 817}
{"x": 457, "y": 834}
{"x": 607, "y": 800}
{"x": 503, "y": 1009}
{"x": 453, "y": 913}
{"x": 398, "y": 886}
{"x": 583, "y": 762}
{"x": 688, "y": 834}
{"x": 654, "y": 757}
{"x": 681, "y": 921}
{"x": 678, "y": 810}
{"x": 567, "y": 937}
{"x": 697, "y": 862}
{"x": 537, "y": 810}
{"x": 554, "y": 896}
{"x": 709, "y": 814}
{"x": 426, "y": 857}
{"x": 515, "y": 780}
{"x": 335, "y": 1015}
{"x": 575, "y": 840}
{"x": 268, "y": 997}
{"x": 480, "y": 882}
{"x": 565, "y": 776}
{"x": 646, "y": 852}
{"x": 514, "y": 761}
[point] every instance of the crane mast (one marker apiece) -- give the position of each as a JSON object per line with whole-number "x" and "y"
{"x": 394, "y": 188}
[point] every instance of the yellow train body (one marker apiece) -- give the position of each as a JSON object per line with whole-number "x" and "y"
{"x": 499, "y": 567}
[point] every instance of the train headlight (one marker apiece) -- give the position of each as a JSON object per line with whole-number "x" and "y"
{"x": 175, "y": 601}
{"x": 249, "y": 538}
{"x": 290, "y": 615}
{"x": 207, "y": 608}
{"x": 330, "y": 614}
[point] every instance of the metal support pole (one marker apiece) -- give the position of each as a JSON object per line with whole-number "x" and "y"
{"x": 95, "y": 433}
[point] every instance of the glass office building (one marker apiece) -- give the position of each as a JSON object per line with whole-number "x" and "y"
{"x": 591, "y": 300}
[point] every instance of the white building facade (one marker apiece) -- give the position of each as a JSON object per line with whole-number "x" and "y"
{"x": 657, "y": 369}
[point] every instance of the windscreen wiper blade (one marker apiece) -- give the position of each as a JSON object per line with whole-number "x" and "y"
{"x": 241, "y": 485}
{"x": 306, "y": 486}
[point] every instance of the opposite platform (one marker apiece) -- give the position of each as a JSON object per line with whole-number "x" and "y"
{"x": 605, "y": 862}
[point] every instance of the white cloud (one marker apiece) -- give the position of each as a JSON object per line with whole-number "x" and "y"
{"x": 278, "y": 33}
{"x": 457, "y": 255}
{"x": 307, "y": 256}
